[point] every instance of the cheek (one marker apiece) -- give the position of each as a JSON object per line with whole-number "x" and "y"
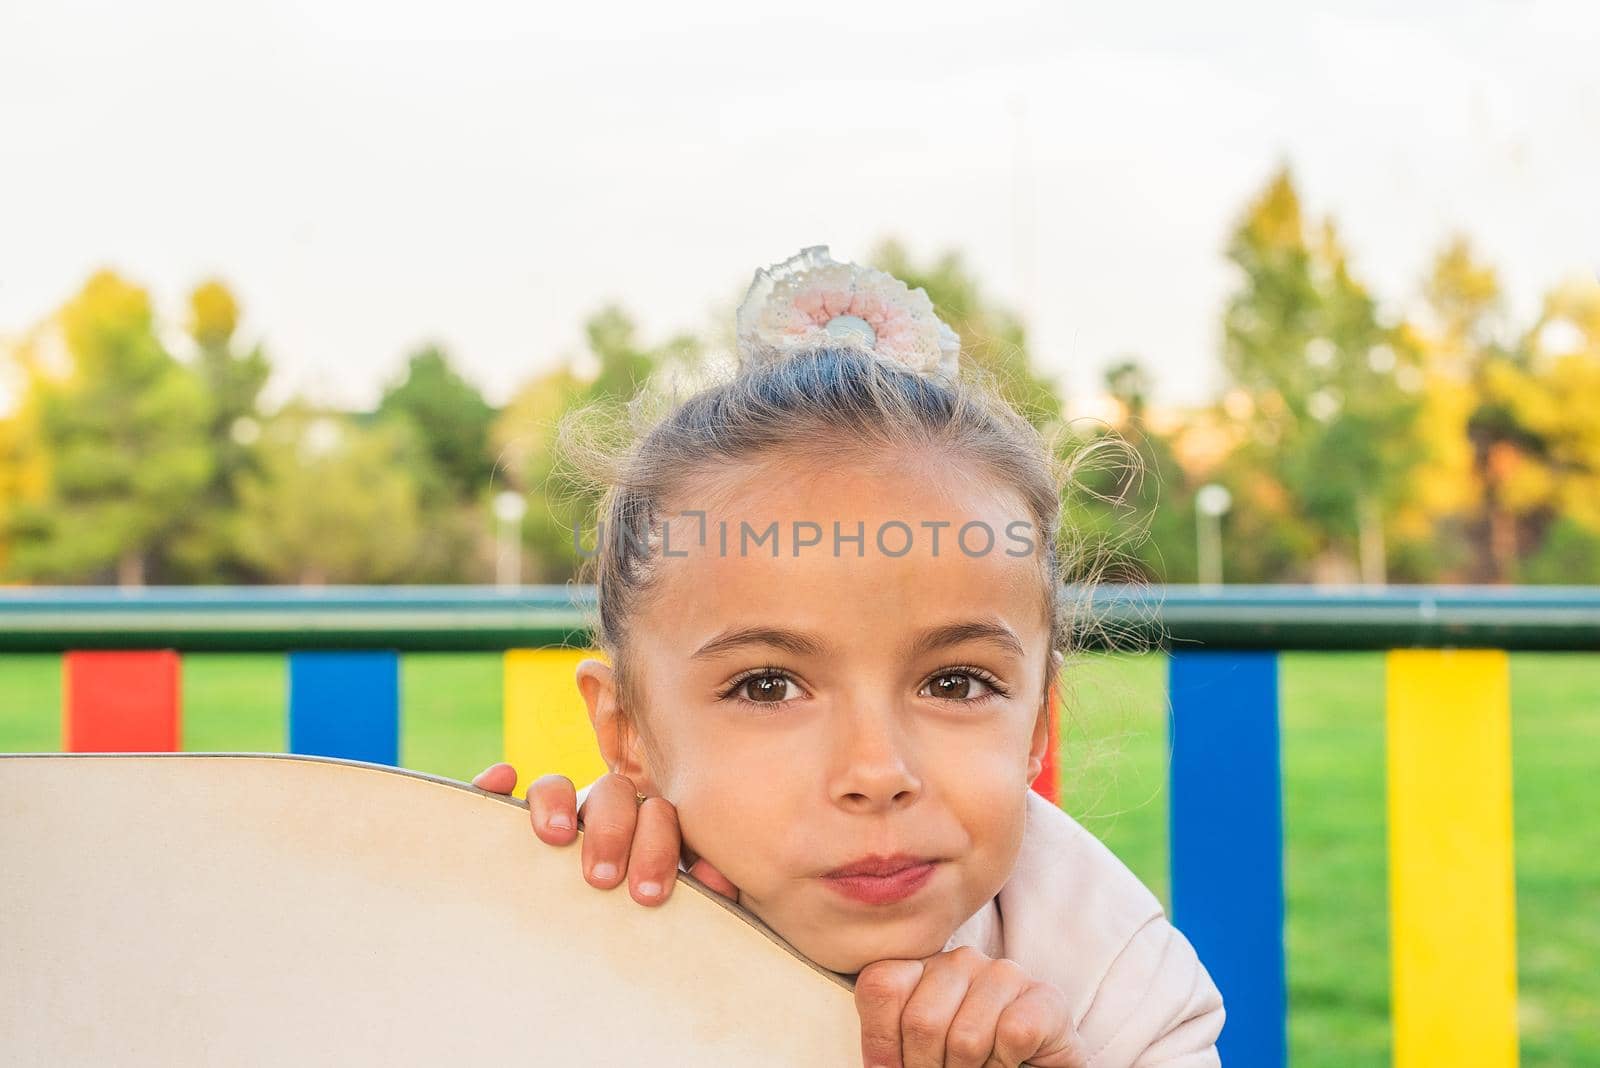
{"x": 996, "y": 856}
{"x": 735, "y": 831}
{"x": 983, "y": 779}
{"x": 733, "y": 802}
{"x": 981, "y": 757}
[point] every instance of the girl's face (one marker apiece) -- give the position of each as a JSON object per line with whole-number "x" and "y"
{"x": 811, "y": 709}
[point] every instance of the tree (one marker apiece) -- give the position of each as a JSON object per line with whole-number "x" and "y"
{"x": 13, "y": 481}
{"x": 205, "y": 546}
{"x": 332, "y": 501}
{"x": 557, "y": 505}
{"x": 451, "y": 417}
{"x": 1566, "y": 345}
{"x": 564, "y": 498}
{"x": 114, "y": 430}
{"x": 22, "y": 475}
{"x": 1509, "y": 417}
{"x": 1560, "y": 409}
{"x": 1331, "y": 420}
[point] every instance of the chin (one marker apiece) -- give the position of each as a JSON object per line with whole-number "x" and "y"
{"x": 848, "y": 951}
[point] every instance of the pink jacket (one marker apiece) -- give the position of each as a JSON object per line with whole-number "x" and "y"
{"x": 1073, "y": 915}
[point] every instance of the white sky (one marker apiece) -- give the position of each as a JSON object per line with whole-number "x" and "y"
{"x": 370, "y": 176}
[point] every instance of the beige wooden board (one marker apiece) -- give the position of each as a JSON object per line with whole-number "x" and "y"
{"x": 254, "y": 909}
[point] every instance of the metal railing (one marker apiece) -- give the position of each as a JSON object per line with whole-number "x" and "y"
{"x": 460, "y": 618}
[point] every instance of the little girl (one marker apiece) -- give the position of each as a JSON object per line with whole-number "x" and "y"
{"x": 830, "y": 593}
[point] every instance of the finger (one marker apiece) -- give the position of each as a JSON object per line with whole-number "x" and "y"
{"x": 713, "y": 879}
{"x": 1038, "y": 1024}
{"x": 925, "y": 1021}
{"x": 496, "y": 779}
{"x": 610, "y": 814}
{"x": 882, "y": 990}
{"x": 553, "y": 809}
{"x": 657, "y": 845}
{"x": 970, "y": 1041}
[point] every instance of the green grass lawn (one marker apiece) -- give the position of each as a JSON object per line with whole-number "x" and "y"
{"x": 1114, "y": 781}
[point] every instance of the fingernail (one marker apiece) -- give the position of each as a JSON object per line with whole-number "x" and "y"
{"x": 649, "y": 889}
{"x": 559, "y": 822}
{"x": 604, "y": 871}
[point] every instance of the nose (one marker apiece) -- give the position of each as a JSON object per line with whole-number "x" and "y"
{"x": 874, "y": 769}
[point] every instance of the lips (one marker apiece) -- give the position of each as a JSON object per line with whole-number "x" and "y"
{"x": 881, "y": 880}
{"x": 880, "y": 866}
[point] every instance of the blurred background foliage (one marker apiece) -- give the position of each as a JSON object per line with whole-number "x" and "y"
{"x": 1446, "y": 443}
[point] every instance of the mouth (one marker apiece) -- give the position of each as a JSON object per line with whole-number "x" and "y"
{"x": 881, "y": 880}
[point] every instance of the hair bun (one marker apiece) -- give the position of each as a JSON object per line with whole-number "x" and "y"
{"x": 810, "y": 300}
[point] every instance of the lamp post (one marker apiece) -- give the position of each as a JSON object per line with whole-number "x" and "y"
{"x": 1210, "y": 505}
{"x": 509, "y": 508}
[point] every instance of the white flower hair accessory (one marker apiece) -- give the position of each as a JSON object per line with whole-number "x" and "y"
{"x": 810, "y": 299}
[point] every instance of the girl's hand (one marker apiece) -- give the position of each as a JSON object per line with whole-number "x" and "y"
{"x": 620, "y": 836}
{"x": 962, "y": 1009}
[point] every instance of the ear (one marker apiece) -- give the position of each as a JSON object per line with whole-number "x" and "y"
{"x": 1046, "y": 722}
{"x": 620, "y": 745}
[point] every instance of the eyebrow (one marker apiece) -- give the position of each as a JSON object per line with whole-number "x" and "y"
{"x": 790, "y": 641}
{"x": 799, "y": 644}
{"x": 975, "y": 630}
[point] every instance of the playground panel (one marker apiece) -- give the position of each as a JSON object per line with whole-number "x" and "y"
{"x": 255, "y": 909}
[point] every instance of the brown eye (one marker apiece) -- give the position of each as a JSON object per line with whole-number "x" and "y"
{"x": 954, "y": 685}
{"x": 767, "y": 689}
